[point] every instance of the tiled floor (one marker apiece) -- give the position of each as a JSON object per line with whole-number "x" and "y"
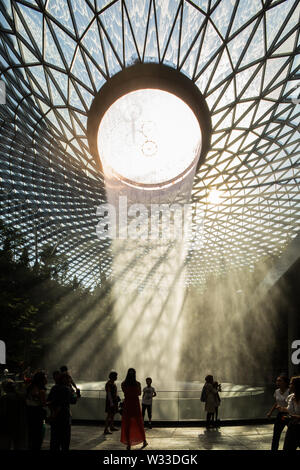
{"x": 248, "y": 437}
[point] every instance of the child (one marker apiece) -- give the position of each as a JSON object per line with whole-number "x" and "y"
{"x": 148, "y": 394}
{"x": 64, "y": 370}
{"x": 217, "y": 386}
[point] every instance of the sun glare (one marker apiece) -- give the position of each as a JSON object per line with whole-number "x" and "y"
{"x": 149, "y": 136}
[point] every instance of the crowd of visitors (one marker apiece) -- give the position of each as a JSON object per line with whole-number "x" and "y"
{"x": 26, "y": 406}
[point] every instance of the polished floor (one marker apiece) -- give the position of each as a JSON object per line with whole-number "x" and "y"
{"x": 247, "y": 437}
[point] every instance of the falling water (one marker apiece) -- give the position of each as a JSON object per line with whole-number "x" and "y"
{"x": 149, "y": 299}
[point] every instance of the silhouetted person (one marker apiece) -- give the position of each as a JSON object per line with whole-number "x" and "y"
{"x": 281, "y": 394}
{"x": 111, "y": 403}
{"x": 292, "y": 436}
{"x": 217, "y": 386}
{"x": 56, "y": 375}
{"x": 64, "y": 370}
{"x": 36, "y": 411}
{"x": 148, "y": 394}
{"x": 209, "y": 396}
{"x": 132, "y": 431}
{"x": 13, "y": 427}
{"x": 59, "y": 400}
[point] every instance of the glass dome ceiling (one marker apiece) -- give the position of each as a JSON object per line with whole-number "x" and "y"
{"x": 243, "y": 56}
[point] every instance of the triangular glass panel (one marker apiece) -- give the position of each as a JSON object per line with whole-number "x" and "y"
{"x": 192, "y": 20}
{"x": 60, "y": 11}
{"x": 283, "y": 110}
{"x": 166, "y": 11}
{"x": 151, "y": 46}
{"x": 138, "y": 14}
{"x": 44, "y": 108}
{"x": 28, "y": 56}
{"x": 272, "y": 67}
{"x": 54, "y": 122}
{"x": 254, "y": 87}
{"x": 203, "y": 80}
{"x": 242, "y": 78}
{"x": 67, "y": 133}
{"x": 275, "y": 18}
{"x": 3, "y": 22}
{"x": 82, "y": 118}
{"x": 296, "y": 62}
{"x": 223, "y": 120}
{"x": 287, "y": 46}
{"x": 245, "y": 11}
{"x": 7, "y": 7}
{"x": 256, "y": 48}
{"x": 77, "y": 128}
{"x": 202, "y": 4}
{"x": 22, "y": 31}
{"x": 34, "y": 21}
{"x": 79, "y": 70}
{"x": 263, "y": 110}
{"x": 112, "y": 22}
{"x": 131, "y": 51}
{"x": 112, "y": 62}
{"x": 97, "y": 76}
{"x": 227, "y": 95}
{"x": 237, "y": 44}
{"x": 250, "y": 138}
{"x": 171, "y": 53}
{"x": 51, "y": 53}
{"x": 274, "y": 94}
{"x": 64, "y": 112}
{"x": 40, "y": 81}
{"x": 212, "y": 98}
{"x": 223, "y": 10}
{"x": 223, "y": 70}
{"x": 67, "y": 45}
{"x": 100, "y": 4}
{"x": 189, "y": 65}
{"x": 56, "y": 98}
{"x": 92, "y": 44}
{"x": 74, "y": 99}
{"x": 86, "y": 96}
{"x": 212, "y": 42}
{"x": 82, "y": 13}
{"x": 61, "y": 79}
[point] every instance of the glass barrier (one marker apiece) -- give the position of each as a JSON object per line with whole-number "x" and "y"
{"x": 238, "y": 403}
{"x": 183, "y": 405}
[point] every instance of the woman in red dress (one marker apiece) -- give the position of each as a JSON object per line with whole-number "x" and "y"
{"x": 132, "y": 431}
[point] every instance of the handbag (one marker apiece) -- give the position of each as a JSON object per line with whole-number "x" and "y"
{"x": 120, "y": 407}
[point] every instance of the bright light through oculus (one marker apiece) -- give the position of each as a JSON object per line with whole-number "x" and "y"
{"x": 149, "y": 136}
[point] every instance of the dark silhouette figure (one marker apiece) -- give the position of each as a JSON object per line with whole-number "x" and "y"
{"x": 217, "y": 386}
{"x": 111, "y": 403}
{"x": 292, "y": 436}
{"x": 132, "y": 431}
{"x": 60, "y": 398}
{"x": 281, "y": 394}
{"x": 148, "y": 394}
{"x": 36, "y": 410}
{"x": 210, "y": 397}
{"x": 64, "y": 370}
{"x": 13, "y": 429}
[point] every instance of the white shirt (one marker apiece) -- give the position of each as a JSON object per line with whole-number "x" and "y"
{"x": 293, "y": 406}
{"x": 147, "y": 395}
{"x": 281, "y": 398}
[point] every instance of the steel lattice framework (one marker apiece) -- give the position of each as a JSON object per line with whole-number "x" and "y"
{"x": 243, "y": 56}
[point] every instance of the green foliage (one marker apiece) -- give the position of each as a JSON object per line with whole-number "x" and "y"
{"x": 37, "y": 304}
